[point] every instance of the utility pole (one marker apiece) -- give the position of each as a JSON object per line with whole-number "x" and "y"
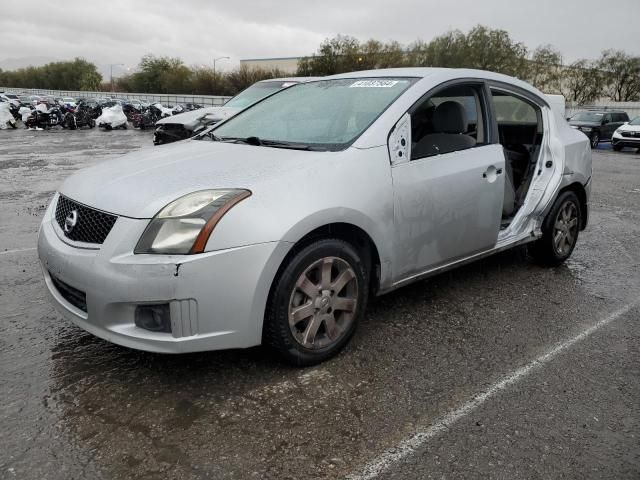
{"x": 214, "y": 71}
{"x": 111, "y": 72}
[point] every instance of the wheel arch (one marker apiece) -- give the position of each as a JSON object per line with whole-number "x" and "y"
{"x": 581, "y": 193}
{"x": 351, "y": 233}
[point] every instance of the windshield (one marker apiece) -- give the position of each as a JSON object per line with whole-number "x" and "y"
{"x": 255, "y": 92}
{"x": 325, "y": 114}
{"x": 587, "y": 117}
{"x": 635, "y": 121}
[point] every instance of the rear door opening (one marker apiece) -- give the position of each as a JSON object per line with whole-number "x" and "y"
{"x": 520, "y": 132}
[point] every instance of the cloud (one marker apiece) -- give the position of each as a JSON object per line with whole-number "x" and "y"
{"x": 121, "y": 31}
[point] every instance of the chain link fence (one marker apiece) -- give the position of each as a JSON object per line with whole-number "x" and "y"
{"x": 164, "y": 99}
{"x": 632, "y": 108}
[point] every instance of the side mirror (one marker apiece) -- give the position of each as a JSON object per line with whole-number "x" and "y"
{"x": 626, "y": 123}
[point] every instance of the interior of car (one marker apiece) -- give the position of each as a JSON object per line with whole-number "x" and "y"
{"x": 520, "y": 133}
{"x": 446, "y": 122}
{"x": 452, "y": 120}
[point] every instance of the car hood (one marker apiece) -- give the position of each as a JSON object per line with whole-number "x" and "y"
{"x": 629, "y": 128}
{"x": 193, "y": 118}
{"x": 140, "y": 184}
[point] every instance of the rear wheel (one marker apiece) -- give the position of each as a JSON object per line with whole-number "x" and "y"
{"x": 559, "y": 231}
{"x": 316, "y": 302}
{"x": 595, "y": 139}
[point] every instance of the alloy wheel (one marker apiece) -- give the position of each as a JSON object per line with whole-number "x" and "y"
{"x": 565, "y": 229}
{"x": 595, "y": 139}
{"x": 323, "y": 303}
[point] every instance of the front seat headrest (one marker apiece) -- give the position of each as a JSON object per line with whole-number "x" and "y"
{"x": 450, "y": 117}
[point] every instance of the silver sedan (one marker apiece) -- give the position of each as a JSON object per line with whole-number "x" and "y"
{"x": 277, "y": 225}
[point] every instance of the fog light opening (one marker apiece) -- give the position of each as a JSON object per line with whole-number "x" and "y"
{"x": 155, "y": 318}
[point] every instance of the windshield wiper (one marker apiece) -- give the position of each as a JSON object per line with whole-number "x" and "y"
{"x": 258, "y": 142}
{"x": 210, "y": 135}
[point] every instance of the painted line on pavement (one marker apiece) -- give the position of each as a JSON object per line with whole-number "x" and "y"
{"x": 17, "y": 250}
{"x": 408, "y": 446}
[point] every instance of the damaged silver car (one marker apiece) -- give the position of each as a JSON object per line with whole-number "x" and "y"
{"x": 277, "y": 225}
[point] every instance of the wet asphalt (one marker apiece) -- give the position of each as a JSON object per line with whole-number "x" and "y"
{"x": 75, "y": 407}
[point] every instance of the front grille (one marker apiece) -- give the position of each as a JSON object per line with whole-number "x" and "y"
{"x": 75, "y": 297}
{"x": 92, "y": 226}
{"x": 630, "y": 134}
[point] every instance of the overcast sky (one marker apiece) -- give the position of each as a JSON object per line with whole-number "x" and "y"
{"x": 121, "y": 31}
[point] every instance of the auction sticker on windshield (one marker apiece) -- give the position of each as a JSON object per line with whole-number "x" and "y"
{"x": 373, "y": 84}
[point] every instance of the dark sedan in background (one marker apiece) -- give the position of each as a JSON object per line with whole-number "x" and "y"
{"x": 598, "y": 125}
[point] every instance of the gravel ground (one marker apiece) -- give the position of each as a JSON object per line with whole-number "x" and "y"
{"x": 75, "y": 407}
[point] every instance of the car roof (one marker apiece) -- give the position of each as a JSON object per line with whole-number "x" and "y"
{"x": 440, "y": 75}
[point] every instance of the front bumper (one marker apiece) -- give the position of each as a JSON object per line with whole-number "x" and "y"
{"x": 216, "y": 299}
{"x": 619, "y": 140}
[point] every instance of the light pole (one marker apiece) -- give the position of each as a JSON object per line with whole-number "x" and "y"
{"x": 111, "y": 72}
{"x": 214, "y": 71}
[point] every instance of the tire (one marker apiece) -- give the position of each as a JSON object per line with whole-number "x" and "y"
{"x": 70, "y": 122}
{"x": 617, "y": 148}
{"x": 595, "y": 139}
{"x": 560, "y": 231}
{"x": 322, "y": 310}
{"x": 92, "y": 123}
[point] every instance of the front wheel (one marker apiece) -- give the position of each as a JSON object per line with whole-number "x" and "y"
{"x": 559, "y": 231}
{"x": 617, "y": 148}
{"x": 595, "y": 139}
{"x": 316, "y": 302}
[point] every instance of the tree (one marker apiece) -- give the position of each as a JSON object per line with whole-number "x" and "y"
{"x": 545, "y": 70}
{"x": 243, "y": 77}
{"x": 622, "y": 75}
{"x": 156, "y": 74}
{"x": 582, "y": 82}
{"x": 481, "y": 48}
{"x": 74, "y": 75}
{"x": 488, "y": 49}
{"x": 335, "y": 55}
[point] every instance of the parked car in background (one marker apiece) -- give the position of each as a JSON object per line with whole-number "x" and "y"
{"x": 33, "y": 99}
{"x": 68, "y": 101}
{"x": 11, "y": 98}
{"x": 598, "y": 125}
{"x": 627, "y": 135}
{"x": 278, "y": 224}
{"x": 138, "y": 104}
{"x": 188, "y": 124}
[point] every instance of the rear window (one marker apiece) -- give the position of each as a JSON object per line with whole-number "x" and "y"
{"x": 588, "y": 117}
{"x": 510, "y": 109}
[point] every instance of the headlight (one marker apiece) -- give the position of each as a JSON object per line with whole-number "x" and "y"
{"x": 185, "y": 225}
{"x": 586, "y": 129}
